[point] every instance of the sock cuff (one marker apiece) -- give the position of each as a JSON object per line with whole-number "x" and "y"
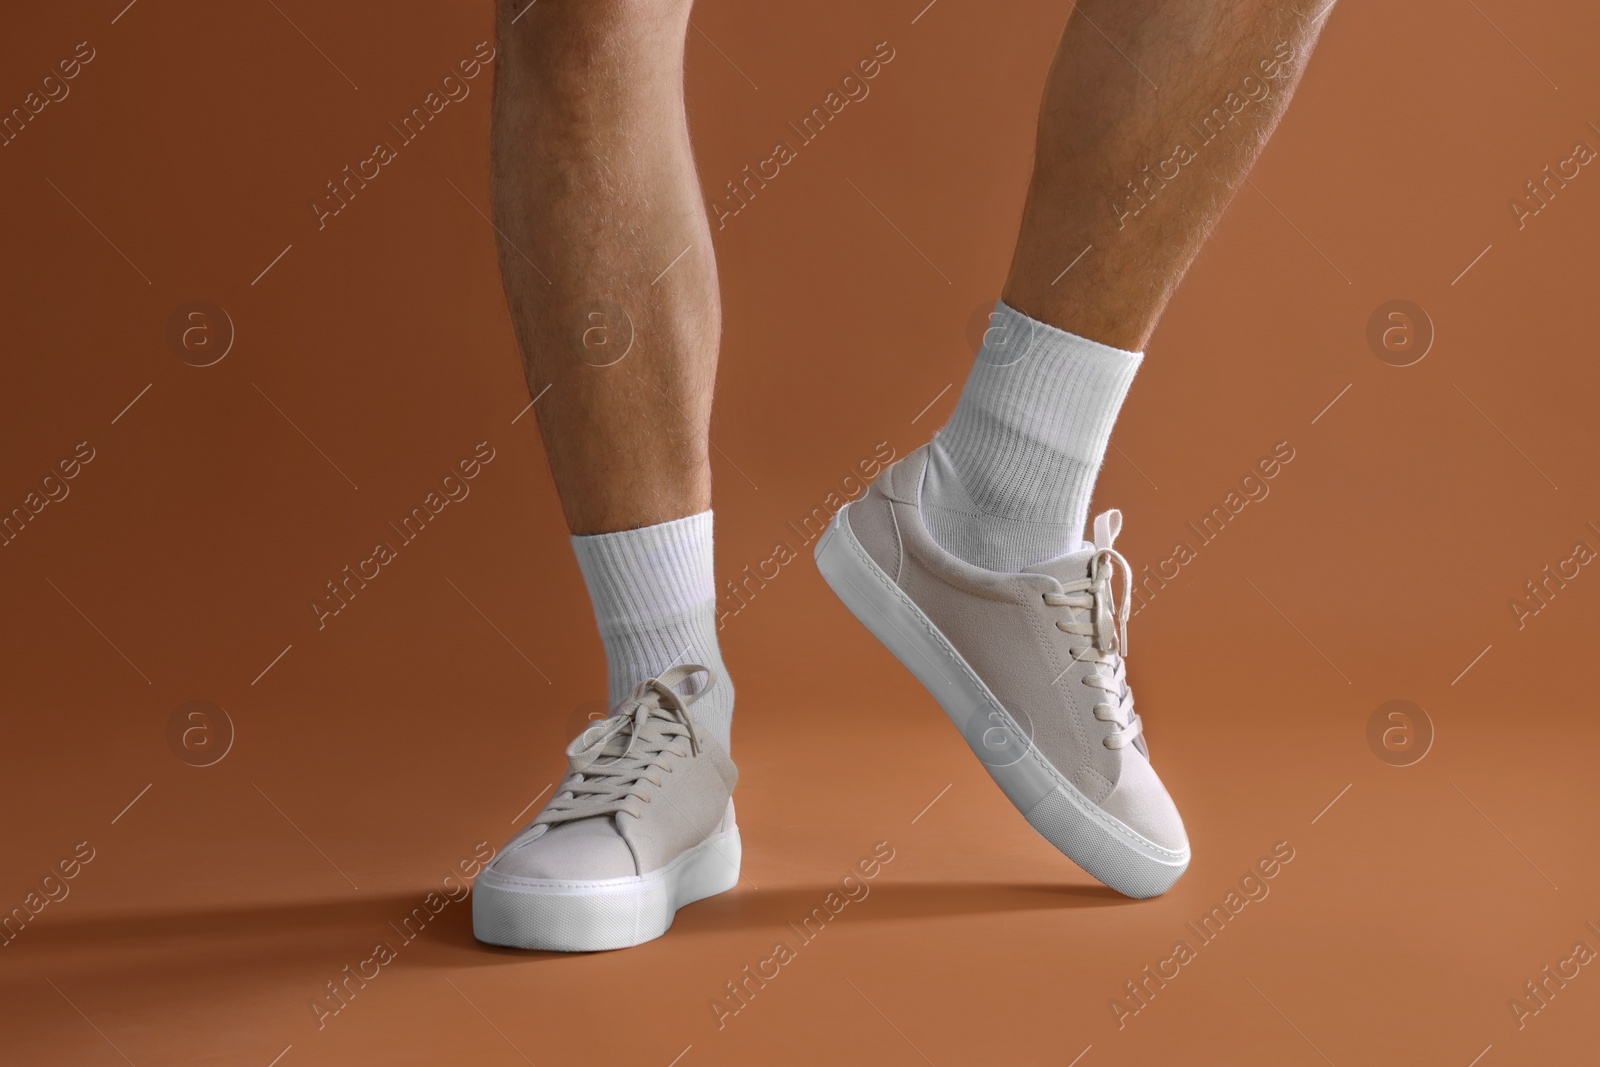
{"x": 1035, "y": 372}
{"x": 1048, "y": 338}
{"x": 1035, "y": 417}
{"x": 1035, "y": 382}
{"x": 645, "y": 576}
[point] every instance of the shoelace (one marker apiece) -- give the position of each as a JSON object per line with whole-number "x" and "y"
{"x": 612, "y": 762}
{"x": 1105, "y": 623}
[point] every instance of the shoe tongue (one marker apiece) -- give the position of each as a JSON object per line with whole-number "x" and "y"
{"x": 1066, "y": 568}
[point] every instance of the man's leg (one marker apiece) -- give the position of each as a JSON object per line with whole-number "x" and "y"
{"x": 607, "y": 263}
{"x": 595, "y": 194}
{"x": 608, "y": 269}
{"x": 966, "y": 558}
{"x": 1152, "y": 115}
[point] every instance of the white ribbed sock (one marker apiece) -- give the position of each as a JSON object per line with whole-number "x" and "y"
{"x": 654, "y": 596}
{"x": 1009, "y": 477}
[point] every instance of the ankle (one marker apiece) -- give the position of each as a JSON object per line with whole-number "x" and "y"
{"x": 1010, "y": 476}
{"x": 654, "y": 597}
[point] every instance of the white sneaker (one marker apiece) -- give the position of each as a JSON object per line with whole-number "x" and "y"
{"x": 1029, "y": 666}
{"x": 641, "y": 825}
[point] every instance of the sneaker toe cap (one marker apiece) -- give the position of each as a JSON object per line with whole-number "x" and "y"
{"x": 587, "y": 850}
{"x": 1142, "y": 803}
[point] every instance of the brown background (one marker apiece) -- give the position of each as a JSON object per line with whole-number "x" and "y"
{"x": 428, "y": 714}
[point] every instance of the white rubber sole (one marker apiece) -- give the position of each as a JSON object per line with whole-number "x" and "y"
{"x": 594, "y": 916}
{"x": 1101, "y": 844}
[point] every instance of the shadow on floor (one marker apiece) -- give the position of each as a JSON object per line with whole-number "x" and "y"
{"x": 446, "y": 939}
{"x": 749, "y": 907}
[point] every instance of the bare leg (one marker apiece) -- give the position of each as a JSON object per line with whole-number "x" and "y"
{"x": 607, "y": 263}
{"x": 595, "y": 196}
{"x": 1153, "y": 114}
